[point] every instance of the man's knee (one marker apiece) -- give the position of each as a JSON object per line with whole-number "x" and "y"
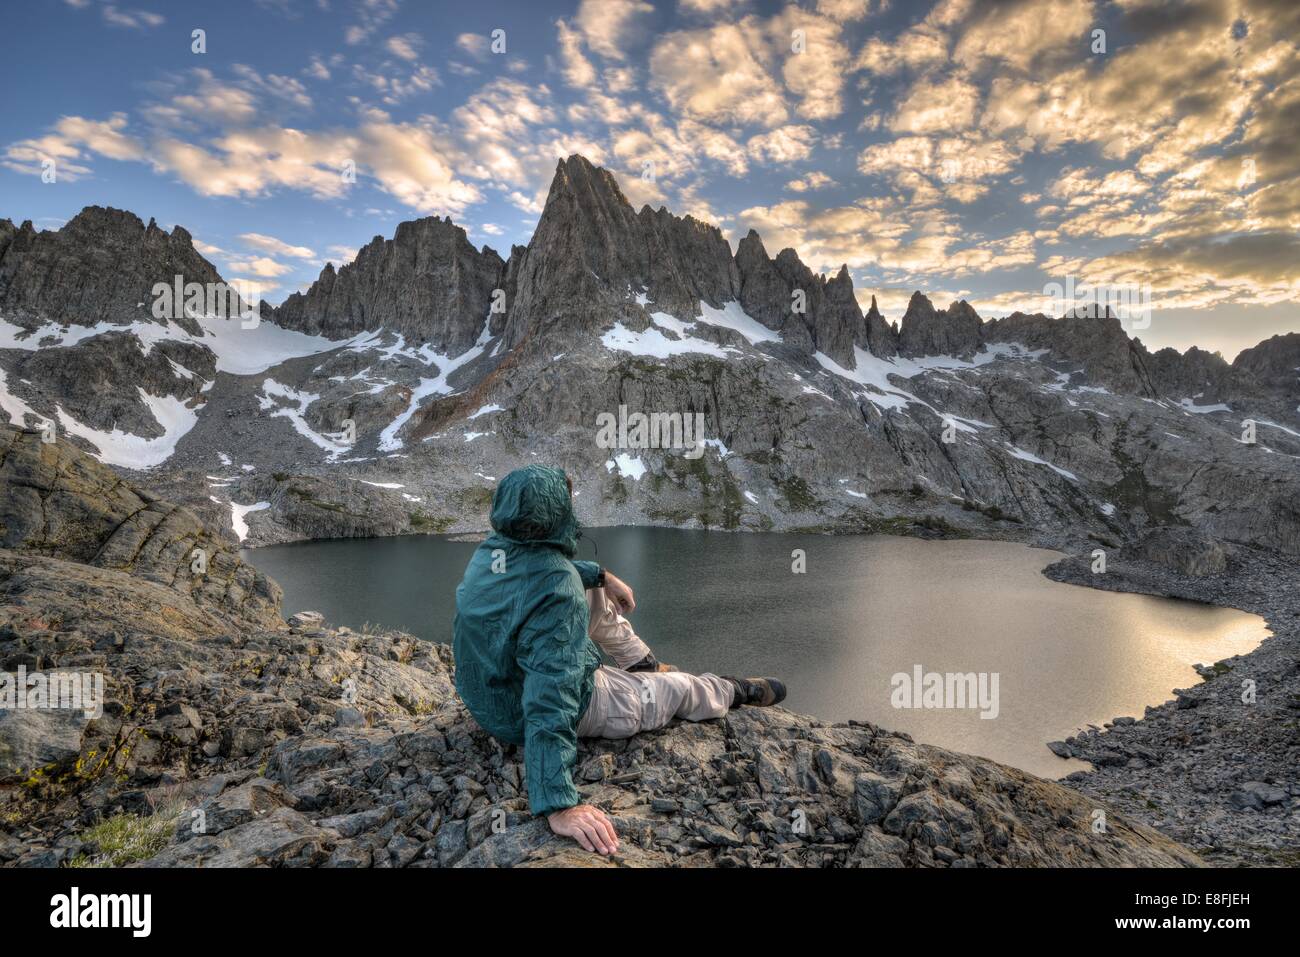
{"x": 674, "y": 694}
{"x": 616, "y": 709}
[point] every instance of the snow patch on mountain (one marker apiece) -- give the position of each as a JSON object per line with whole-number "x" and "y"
{"x": 874, "y": 373}
{"x": 388, "y": 440}
{"x": 1189, "y": 405}
{"x": 132, "y": 451}
{"x": 1024, "y": 456}
{"x": 238, "y": 516}
{"x": 654, "y": 344}
{"x": 239, "y": 349}
{"x": 13, "y": 405}
{"x": 731, "y": 316}
{"x": 296, "y": 413}
{"x": 628, "y": 466}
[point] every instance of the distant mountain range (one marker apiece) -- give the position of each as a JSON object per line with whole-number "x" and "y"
{"x": 389, "y": 396}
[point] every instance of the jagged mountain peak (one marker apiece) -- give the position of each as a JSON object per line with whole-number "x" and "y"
{"x": 788, "y": 258}
{"x": 1273, "y": 363}
{"x": 956, "y": 331}
{"x": 100, "y": 216}
{"x": 97, "y": 224}
{"x": 590, "y": 248}
{"x": 98, "y": 267}
{"x": 751, "y": 245}
{"x": 577, "y": 176}
{"x": 427, "y": 283}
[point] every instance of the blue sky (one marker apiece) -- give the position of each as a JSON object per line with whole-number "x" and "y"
{"x": 974, "y": 150}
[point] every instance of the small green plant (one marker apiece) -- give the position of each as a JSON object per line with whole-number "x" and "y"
{"x": 127, "y": 838}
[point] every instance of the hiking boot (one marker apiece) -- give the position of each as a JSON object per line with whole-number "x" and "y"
{"x": 758, "y": 692}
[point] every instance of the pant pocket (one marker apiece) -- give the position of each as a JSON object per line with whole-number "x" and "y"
{"x": 616, "y": 707}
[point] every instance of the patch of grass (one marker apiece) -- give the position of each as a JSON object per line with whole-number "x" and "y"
{"x": 475, "y": 497}
{"x": 719, "y": 504}
{"x": 306, "y": 497}
{"x": 1133, "y": 491}
{"x": 127, "y": 838}
{"x": 435, "y": 524}
{"x": 413, "y": 706}
{"x": 992, "y": 511}
{"x": 797, "y": 496}
{"x": 618, "y": 491}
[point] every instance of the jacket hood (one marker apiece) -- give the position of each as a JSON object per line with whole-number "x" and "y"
{"x": 531, "y": 506}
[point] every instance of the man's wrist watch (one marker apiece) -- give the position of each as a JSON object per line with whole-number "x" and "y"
{"x": 600, "y": 579}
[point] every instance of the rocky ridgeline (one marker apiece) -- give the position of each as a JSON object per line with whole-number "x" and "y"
{"x": 299, "y": 744}
{"x": 1069, "y": 428}
{"x": 97, "y": 268}
{"x": 100, "y": 268}
{"x": 426, "y": 283}
{"x": 591, "y": 249}
{"x": 590, "y": 252}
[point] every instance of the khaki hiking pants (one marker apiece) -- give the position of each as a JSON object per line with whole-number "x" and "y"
{"x": 624, "y": 702}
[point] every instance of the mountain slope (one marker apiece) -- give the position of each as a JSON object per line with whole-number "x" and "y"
{"x": 387, "y": 397}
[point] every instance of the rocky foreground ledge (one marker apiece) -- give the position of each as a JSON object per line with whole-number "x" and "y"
{"x": 236, "y": 739}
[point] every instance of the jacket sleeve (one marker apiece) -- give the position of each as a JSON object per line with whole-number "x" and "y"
{"x": 588, "y": 572}
{"x": 553, "y": 655}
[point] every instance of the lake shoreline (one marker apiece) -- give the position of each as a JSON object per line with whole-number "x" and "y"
{"x": 1163, "y": 768}
{"x": 1208, "y": 768}
{"x": 228, "y": 737}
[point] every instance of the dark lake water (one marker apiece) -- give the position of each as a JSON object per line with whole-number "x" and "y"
{"x": 867, "y": 608}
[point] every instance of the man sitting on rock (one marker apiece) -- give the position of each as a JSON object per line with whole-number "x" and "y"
{"x": 528, "y": 622}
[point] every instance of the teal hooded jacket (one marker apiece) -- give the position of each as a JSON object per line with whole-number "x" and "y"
{"x": 524, "y": 663}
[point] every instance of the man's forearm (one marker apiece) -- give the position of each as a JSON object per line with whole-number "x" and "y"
{"x": 620, "y": 592}
{"x": 613, "y": 633}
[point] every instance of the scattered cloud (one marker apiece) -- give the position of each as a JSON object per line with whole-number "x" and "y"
{"x": 276, "y": 247}
{"x": 608, "y": 26}
{"x": 263, "y": 267}
{"x": 407, "y": 46}
{"x": 812, "y": 180}
{"x": 70, "y": 143}
{"x": 786, "y": 144}
{"x": 939, "y": 145}
{"x": 131, "y": 19}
